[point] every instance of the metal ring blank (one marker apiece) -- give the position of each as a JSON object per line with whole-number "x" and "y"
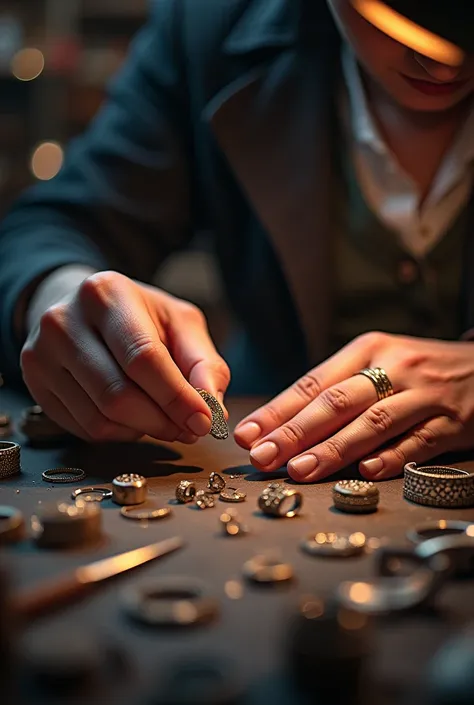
{"x": 103, "y": 493}
{"x": 144, "y": 515}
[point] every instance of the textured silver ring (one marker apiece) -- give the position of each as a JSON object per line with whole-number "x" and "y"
{"x": 10, "y": 463}
{"x": 91, "y": 494}
{"x": 216, "y": 483}
{"x": 185, "y": 491}
{"x": 443, "y": 527}
{"x": 438, "y": 486}
{"x": 63, "y": 475}
{"x": 279, "y": 501}
{"x": 379, "y": 379}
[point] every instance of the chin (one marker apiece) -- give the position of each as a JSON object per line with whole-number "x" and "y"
{"x": 412, "y": 100}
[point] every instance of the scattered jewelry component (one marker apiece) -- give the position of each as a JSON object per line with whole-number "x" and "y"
{"x": 145, "y": 515}
{"x": 216, "y": 483}
{"x": 37, "y": 426}
{"x": 280, "y": 501}
{"x": 185, "y": 491}
{"x": 264, "y": 569}
{"x": 50, "y": 596}
{"x": 443, "y": 527}
{"x": 173, "y": 601}
{"x": 379, "y": 379}
{"x": 204, "y": 499}
{"x": 10, "y": 463}
{"x": 232, "y": 494}
{"x": 92, "y": 494}
{"x": 65, "y": 524}
{"x": 333, "y": 544}
{"x": 63, "y": 475}
{"x": 438, "y": 486}
{"x": 5, "y": 424}
{"x": 231, "y": 524}
{"x": 219, "y": 428}
{"x": 129, "y": 489}
{"x": 458, "y": 551}
{"x": 355, "y": 496}
{"x": 12, "y": 525}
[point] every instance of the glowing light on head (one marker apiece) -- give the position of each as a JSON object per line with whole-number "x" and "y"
{"x": 409, "y": 33}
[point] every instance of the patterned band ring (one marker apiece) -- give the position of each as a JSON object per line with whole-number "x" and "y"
{"x": 438, "y": 486}
{"x": 9, "y": 459}
{"x": 379, "y": 379}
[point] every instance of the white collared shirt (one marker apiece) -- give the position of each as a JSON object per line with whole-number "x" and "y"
{"x": 389, "y": 191}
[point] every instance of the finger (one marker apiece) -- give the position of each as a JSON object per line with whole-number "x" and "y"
{"x": 380, "y": 423}
{"x": 333, "y": 409}
{"x": 133, "y": 339}
{"x": 286, "y": 405}
{"x": 425, "y": 441}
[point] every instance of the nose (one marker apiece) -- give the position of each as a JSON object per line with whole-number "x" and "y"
{"x": 437, "y": 71}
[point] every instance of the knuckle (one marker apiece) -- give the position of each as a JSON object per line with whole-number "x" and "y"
{"x": 98, "y": 287}
{"x": 425, "y": 437}
{"x": 142, "y": 351}
{"x": 335, "y": 450}
{"x": 335, "y": 399}
{"x": 293, "y": 432}
{"x": 397, "y": 456}
{"x": 111, "y": 398}
{"x": 193, "y": 312}
{"x": 52, "y": 321}
{"x": 308, "y": 387}
{"x": 272, "y": 415}
{"x": 371, "y": 340}
{"x": 378, "y": 419}
{"x": 221, "y": 369}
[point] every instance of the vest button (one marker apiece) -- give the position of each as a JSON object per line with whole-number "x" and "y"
{"x": 407, "y": 272}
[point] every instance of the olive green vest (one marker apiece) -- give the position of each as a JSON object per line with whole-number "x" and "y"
{"x": 378, "y": 285}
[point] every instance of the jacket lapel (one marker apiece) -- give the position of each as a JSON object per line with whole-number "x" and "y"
{"x": 274, "y": 124}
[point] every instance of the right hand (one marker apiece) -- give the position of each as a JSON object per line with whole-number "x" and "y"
{"x": 116, "y": 359}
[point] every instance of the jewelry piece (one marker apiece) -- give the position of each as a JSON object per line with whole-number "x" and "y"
{"x": 185, "y": 491}
{"x": 433, "y": 529}
{"x": 332, "y": 544}
{"x": 10, "y": 463}
{"x": 5, "y": 424}
{"x": 216, "y": 483}
{"x": 231, "y": 524}
{"x": 65, "y": 524}
{"x": 92, "y": 494}
{"x": 232, "y": 494}
{"x": 355, "y": 496}
{"x": 144, "y": 515}
{"x": 265, "y": 569}
{"x": 12, "y": 525}
{"x": 276, "y": 497}
{"x": 438, "y": 486}
{"x": 173, "y": 601}
{"x": 219, "y": 428}
{"x": 204, "y": 499}
{"x": 63, "y": 475}
{"x": 129, "y": 489}
{"x": 379, "y": 379}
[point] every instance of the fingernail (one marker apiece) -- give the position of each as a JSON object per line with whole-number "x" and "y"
{"x": 249, "y": 432}
{"x": 372, "y": 465}
{"x": 304, "y": 465}
{"x": 265, "y": 454}
{"x": 200, "y": 424}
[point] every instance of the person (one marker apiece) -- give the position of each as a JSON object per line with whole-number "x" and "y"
{"x": 329, "y": 152}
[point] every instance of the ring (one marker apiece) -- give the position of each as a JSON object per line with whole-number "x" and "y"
{"x": 231, "y": 494}
{"x": 129, "y": 489}
{"x": 170, "y": 602}
{"x": 216, "y": 483}
{"x": 276, "y": 497}
{"x": 92, "y": 494}
{"x": 219, "y": 428}
{"x": 334, "y": 545}
{"x": 204, "y": 499}
{"x": 10, "y": 463}
{"x": 231, "y": 524}
{"x": 264, "y": 569}
{"x": 63, "y": 475}
{"x": 355, "y": 496}
{"x": 65, "y": 524}
{"x": 144, "y": 515}
{"x": 443, "y": 527}
{"x": 12, "y": 525}
{"x": 379, "y": 379}
{"x": 438, "y": 486}
{"x": 185, "y": 491}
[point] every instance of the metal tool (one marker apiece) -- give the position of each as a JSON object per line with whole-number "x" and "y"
{"x": 52, "y": 595}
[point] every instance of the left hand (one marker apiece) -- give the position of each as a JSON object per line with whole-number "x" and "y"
{"x": 329, "y": 418}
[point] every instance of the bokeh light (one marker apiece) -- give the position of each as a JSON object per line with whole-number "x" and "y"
{"x": 47, "y": 160}
{"x": 28, "y": 64}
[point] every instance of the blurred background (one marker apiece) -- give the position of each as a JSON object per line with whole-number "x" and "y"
{"x": 56, "y": 57}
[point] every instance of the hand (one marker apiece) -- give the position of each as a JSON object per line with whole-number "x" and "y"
{"x": 116, "y": 359}
{"x": 329, "y": 418}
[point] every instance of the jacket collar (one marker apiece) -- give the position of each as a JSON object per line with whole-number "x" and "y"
{"x": 265, "y": 24}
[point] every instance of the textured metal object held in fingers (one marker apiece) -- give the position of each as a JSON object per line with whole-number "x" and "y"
{"x": 10, "y": 463}
{"x": 219, "y": 428}
{"x": 438, "y": 486}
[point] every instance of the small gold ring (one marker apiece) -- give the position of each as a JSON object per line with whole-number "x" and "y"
{"x": 379, "y": 379}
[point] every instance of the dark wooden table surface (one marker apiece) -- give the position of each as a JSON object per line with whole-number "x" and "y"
{"x": 250, "y": 637}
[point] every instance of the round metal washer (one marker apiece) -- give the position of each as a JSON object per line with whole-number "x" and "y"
{"x": 63, "y": 475}
{"x": 145, "y": 515}
{"x": 173, "y": 601}
{"x": 12, "y": 525}
{"x": 265, "y": 570}
{"x": 442, "y": 527}
{"x": 332, "y": 544}
{"x": 91, "y": 494}
{"x": 232, "y": 494}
